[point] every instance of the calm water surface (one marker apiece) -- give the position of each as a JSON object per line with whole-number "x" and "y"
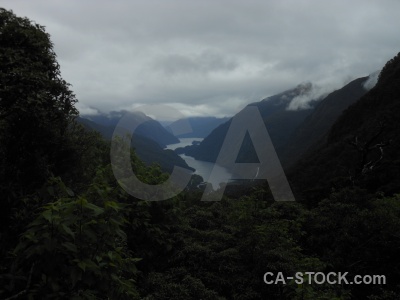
{"x": 203, "y": 168}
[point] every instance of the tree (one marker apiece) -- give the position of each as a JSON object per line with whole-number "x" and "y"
{"x": 36, "y": 111}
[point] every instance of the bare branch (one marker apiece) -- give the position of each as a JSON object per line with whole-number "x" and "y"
{"x": 364, "y": 150}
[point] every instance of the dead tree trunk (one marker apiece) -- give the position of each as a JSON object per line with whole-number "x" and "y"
{"x": 367, "y": 163}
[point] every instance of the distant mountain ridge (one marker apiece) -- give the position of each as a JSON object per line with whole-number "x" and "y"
{"x": 279, "y": 121}
{"x": 318, "y": 123}
{"x": 149, "y": 128}
{"x": 292, "y": 132}
{"x": 148, "y": 149}
{"x": 201, "y": 126}
{"x": 362, "y": 147}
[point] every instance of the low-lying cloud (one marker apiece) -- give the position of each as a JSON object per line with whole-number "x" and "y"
{"x": 308, "y": 97}
{"x": 86, "y": 111}
{"x": 372, "y": 80}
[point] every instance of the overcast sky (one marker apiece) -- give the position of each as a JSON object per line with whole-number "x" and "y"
{"x": 211, "y": 57}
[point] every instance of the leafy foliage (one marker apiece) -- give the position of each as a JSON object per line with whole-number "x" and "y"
{"x": 77, "y": 248}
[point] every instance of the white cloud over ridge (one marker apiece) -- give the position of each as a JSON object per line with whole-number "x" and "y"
{"x": 85, "y": 110}
{"x": 372, "y": 80}
{"x": 312, "y": 94}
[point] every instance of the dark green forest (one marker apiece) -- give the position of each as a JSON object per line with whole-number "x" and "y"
{"x": 69, "y": 231}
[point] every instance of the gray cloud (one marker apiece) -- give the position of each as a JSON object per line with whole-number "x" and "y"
{"x": 87, "y": 111}
{"x": 310, "y": 93}
{"x": 211, "y": 57}
{"x": 203, "y": 63}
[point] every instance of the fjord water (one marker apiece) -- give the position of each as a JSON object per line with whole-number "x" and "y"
{"x": 203, "y": 168}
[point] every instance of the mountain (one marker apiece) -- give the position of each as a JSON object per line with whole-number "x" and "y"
{"x": 105, "y": 131}
{"x": 150, "y": 128}
{"x": 201, "y": 126}
{"x": 318, "y": 123}
{"x": 362, "y": 147}
{"x": 147, "y": 149}
{"x": 279, "y": 120}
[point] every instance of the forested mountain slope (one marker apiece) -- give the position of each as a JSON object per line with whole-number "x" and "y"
{"x": 279, "y": 121}
{"x": 149, "y": 127}
{"x": 363, "y": 145}
{"x": 146, "y": 148}
{"x": 318, "y": 123}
